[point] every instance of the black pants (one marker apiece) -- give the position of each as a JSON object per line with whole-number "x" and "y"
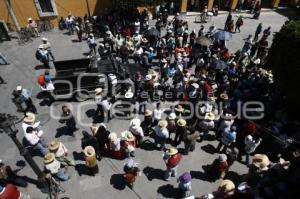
{"x": 1, "y": 80}
{"x": 30, "y": 106}
{"x": 237, "y": 28}
{"x": 71, "y": 124}
{"x": 188, "y": 148}
{"x": 178, "y": 138}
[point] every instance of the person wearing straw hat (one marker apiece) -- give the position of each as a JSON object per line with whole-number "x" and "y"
{"x": 68, "y": 118}
{"x": 179, "y": 110}
{"x": 148, "y": 122}
{"x": 161, "y": 134}
{"x": 172, "y": 158}
{"x": 98, "y": 100}
{"x": 32, "y": 27}
{"x": 90, "y": 160}
{"x": 261, "y": 162}
{"x": 218, "y": 167}
{"x": 190, "y": 137}
{"x": 180, "y": 131}
{"x": 47, "y": 46}
{"x": 30, "y": 120}
{"x": 157, "y": 113}
{"x": 185, "y": 184}
{"x": 53, "y": 166}
{"x": 61, "y": 153}
{"x": 137, "y": 131}
{"x": 128, "y": 144}
{"x": 131, "y": 170}
{"x": 115, "y": 145}
{"x": 225, "y": 190}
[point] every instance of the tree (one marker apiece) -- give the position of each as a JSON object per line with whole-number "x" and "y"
{"x": 284, "y": 60}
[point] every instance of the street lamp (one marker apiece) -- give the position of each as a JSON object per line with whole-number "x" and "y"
{"x": 7, "y": 125}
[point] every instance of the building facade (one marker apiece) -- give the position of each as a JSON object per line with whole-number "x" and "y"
{"x": 51, "y": 9}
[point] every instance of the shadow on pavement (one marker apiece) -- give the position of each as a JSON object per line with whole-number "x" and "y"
{"x": 82, "y": 170}
{"x": 234, "y": 177}
{"x": 90, "y": 113}
{"x": 168, "y": 191}
{"x": 117, "y": 180}
{"x": 199, "y": 175}
{"x": 148, "y": 145}
{"x": 152, "y": 173}
{"x": 209, "y": 149}
{"x": 78, "y": 155}
{"x": 62, "y": 131}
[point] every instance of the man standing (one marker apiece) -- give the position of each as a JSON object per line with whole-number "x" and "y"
{"x": 172, "y": 159}
{"x": 47, "y": 47}
{"x": 24, "y": 97}
{"x": 92, "y": 44}
{"x": 239, "y": 22}
{"x": 258, "y": 31}
{"x": 161, "y": 134}
{"x": 106, "y": 105}
{"x": 98, "y": 100}
{"x": 42, "y": 55}
{"x": 69, "y": 22}
{"x": 33, "y": 137}
{"x": 68, "y": 118}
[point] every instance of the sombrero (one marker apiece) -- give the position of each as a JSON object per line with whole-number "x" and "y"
{"x": 112, "y": 137}
{"x": 181, "y": 122}
{"x": 98, "y": 91}
{"x": 179, "y": 109}
{"x": 162, "y": 123}
{"x": 171, "y": 151}
{"x": 53, "y": 146}
{"x": 148, "y": 77}
{"x": 227, "y": 186}
{"x": 195, "y": 85}
{"x": 89, "y": 151}
{"x": 29, "y": 117}
{"x": 224, "y": 96}
{"x": 128, "y": 94}
{"x": 172, "y": 116}
{"x": 260, "y": 161}
{"x": 148, "y": 112}
{"x": 210, "y": 116}
{"x": 49, "y": 157}
{"x": 135, "y": 123}
{"x": 127, "y": 135}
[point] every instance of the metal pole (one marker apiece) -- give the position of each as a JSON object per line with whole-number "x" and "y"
{"x": 12, "y": 14}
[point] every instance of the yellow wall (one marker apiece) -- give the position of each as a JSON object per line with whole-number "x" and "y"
{"x": 24, "y": 9}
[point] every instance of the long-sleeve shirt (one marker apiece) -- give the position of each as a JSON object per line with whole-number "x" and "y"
{"x": 163, "y": 133}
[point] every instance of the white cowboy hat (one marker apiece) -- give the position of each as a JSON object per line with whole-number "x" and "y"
{"x": 29, "y": 19}
{"x": 49, "y": 157}
{"x": 181, "y": 122}
{"x": 172, "y": 116}
{"x": 227, "y": 186}
{"x": 224, "y": 96}
{"x": 222, "y": 157}
{"x": 195, "y": 85}
{"x": 260, "y": 161}
{"x": 41, "y": 46}
{"x": 19, "y": 88}
{"x": 148, "y": 77}
{"x": 89, "y": 151}
{"x": 44, "y": 39}
{"x": 179, "y": 108}
{"x": 135, "y": 123}
{"x": 98, "y": 91}
{"x": 29, "y": 117}
{"x": 112, "y": 137}
{"x": 53, "y": 146}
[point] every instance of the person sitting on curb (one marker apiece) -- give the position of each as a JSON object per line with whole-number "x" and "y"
{"x": 53, "y": 166}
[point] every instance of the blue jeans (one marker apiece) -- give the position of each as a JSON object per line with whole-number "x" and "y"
{"x": 70, "y": 28}
{"x": 62, "y": 175}
{"x": 41, "y": 147}
{"x": 170, "y": 172}
{"x": 161, "y": 141}
{"x": 247, "y": 159}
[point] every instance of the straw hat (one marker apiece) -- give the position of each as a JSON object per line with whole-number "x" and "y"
{"x": 148, "y": 77}
{"x": 29, "y": 117}
{"x": 135, "y": 123}
{"x": 285, "y": 164}
{"x": 195, "y": 85}
{"x": 179, "y": 109}
{"x": 224, "y": 96}
{"x": 98, "y": 91}
{"x": 148, "y": 112}
{"x": 127, "y": 135}
{"x": 89, "y": 151}
{"x": 29, "y": 19}
{"x": 260, "y": 161}
{"x": 53, "y": 146}
{"x": 49, "y": 157}
{"x": 172, "y": 116}
{"x": 227, "y": 186}
{"x": 162, "y": 123}
{"x": 210, "y": 116}
{"x": 181, "y": 122}
{"x": 171, "y": 151}
{"x": 129, "y": 94}
{"x": 41, "y": 46}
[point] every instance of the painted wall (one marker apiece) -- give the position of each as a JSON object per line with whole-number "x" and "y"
{"x": 24, "y": 9}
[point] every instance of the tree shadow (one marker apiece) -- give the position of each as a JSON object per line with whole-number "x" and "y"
{"x": 152, "y": 173}
{"x": 86, "y": 54}
{"x": 41, "y": 95}
{"x": 168, "y": 191}
{"x": 209, "y": 149}
{"x": 117, "y": 180}
{"x": 78, "y": 155}
{"x": 82, "y": 170}
{"x": 62, "y": 131}
{"x": 75, "y": 41}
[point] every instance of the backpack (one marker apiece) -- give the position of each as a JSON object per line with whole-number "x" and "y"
{"x": 174, "y": 160}
{"x": 38, "y": 55}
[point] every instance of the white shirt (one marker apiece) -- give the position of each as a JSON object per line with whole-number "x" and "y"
{"x": 106, "y": 105}
{"x": 34, "y": 137}
{"x": 98, "y": 99}
{"x": 34, "y": 125}
{"x": 61, "y": 150}
{"x": 163, "y": 133}
{"x": 157, "y": 114}
{"x": 137, "y": 131}
{"x": 53, "y": 167}
{"x": 207, "y": 125}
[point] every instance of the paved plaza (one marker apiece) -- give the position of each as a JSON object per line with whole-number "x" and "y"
{"x": 106, "y": 184}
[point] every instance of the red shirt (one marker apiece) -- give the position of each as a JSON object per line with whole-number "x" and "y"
{"x": 10, "y": 192}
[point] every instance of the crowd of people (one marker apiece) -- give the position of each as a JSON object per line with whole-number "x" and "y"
{"x": 185, "y": 67}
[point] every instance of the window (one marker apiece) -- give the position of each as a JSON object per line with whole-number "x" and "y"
{"x": 46, "y": 8}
